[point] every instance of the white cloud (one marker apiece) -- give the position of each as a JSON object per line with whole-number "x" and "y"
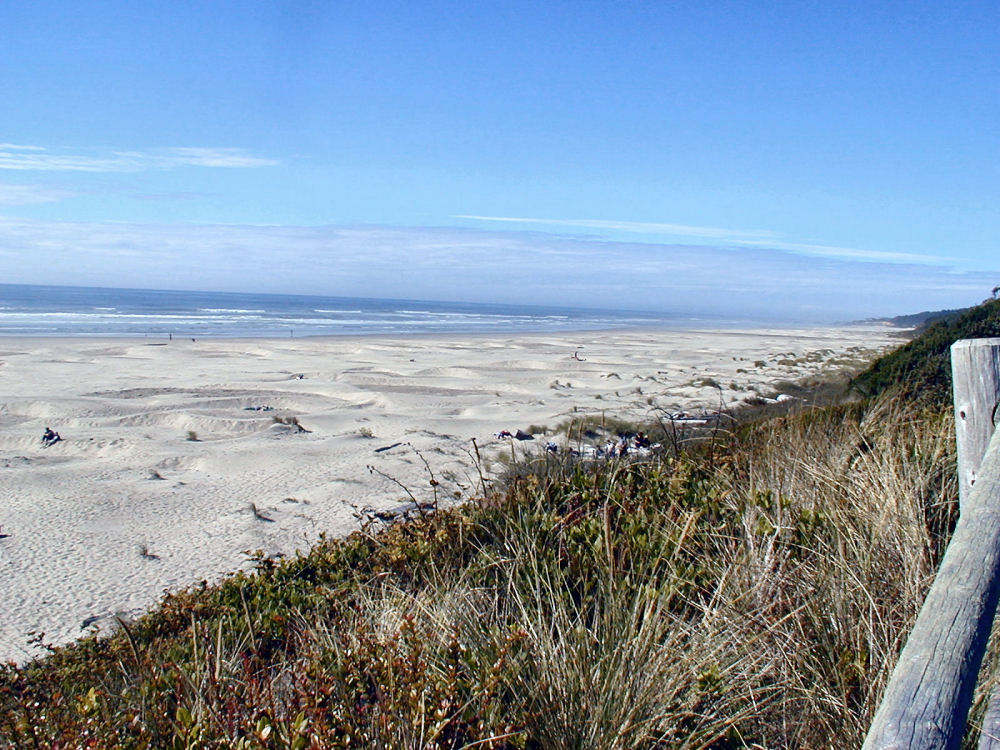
{"x": 210, "y": 157}
{"x": 636, "y": 227}
{"x": 831, "y": 251}
{"x": 46, "y": 161}
{"x": 37, "y": 158}
{"x": 26, "y": 195}
{"x": 738, "y": 237}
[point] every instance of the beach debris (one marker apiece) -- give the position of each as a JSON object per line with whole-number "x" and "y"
{"x": 385, "y": 448}
{"x": 107, "y": 622}
{"x": 146, "y": 554}
{"x": 263, "y": 407}
{"x": 2, "y": 535}
{"x": 259, "y": 514}
{"x": 780, "y": 398}
{"x": 518, "y": 435}
{"x": 687, "y": 419}
{"x": 290, "y": 421}
{"x": 577, "y": 357}
{"x": 154, "y": 474}
{"x": 396, "y": 513}
{"x": 88, "y": 621}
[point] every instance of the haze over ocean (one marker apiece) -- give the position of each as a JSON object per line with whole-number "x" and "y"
{"x": 27, "y": 310}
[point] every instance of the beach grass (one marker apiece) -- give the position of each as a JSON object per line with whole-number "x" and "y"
{"x": 751, "y": 588}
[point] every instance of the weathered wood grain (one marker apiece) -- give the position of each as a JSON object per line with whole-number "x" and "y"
{"x": 976, "y": 374}
{"x": 975, "y": 368}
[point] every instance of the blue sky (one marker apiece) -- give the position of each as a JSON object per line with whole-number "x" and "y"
{"x": 827, "y": 159}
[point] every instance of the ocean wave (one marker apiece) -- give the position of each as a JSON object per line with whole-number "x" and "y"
{"x": 64, "y": 311}
{"x": 227, "y": 310}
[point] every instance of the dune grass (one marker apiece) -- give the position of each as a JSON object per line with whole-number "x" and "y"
{"x": 755, "y": 594}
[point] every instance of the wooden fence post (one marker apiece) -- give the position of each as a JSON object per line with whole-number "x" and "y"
{"x": 927, "y": 700}
{"x": 975, "y": 369}
{"x": 976, "y": 377}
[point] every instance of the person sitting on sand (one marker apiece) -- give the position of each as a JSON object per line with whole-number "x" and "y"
{"x": 50, "y": 437}
{"x": 622, "y": 447}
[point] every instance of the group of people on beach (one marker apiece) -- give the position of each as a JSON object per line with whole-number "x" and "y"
{"x": 623, "y": 446}
{"x": 639, "y": 444}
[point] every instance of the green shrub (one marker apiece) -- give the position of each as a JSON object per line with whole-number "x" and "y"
{"x": 921, "y": 370}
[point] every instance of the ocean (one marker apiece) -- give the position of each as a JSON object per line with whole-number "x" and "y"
{"x": 28, "y": 310}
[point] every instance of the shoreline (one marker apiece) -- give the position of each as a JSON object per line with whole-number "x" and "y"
{"x": 126, "y": 505}
{"x": 891, "y": 332}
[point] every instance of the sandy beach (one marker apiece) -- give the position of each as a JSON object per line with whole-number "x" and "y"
{"x": 178, "y": 457}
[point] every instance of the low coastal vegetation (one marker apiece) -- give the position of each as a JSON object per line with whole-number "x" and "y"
{"x": 750, "y": 588}
{"x": 921, "y": 369}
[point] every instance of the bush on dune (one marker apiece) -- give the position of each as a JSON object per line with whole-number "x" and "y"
{"x": 921, "y": 370}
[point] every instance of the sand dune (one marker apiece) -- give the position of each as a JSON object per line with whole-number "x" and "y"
{"x": 168, "y": 448}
